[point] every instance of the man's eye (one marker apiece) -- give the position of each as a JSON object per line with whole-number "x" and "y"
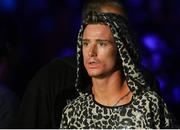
{"x": 102, "y": 43}
{"x": 85, "y": 43}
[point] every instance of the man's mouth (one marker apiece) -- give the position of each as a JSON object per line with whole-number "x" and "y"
{"x": 93, "y": 64}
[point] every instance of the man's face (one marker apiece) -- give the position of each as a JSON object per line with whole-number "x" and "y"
{"x": 99, "y": 50}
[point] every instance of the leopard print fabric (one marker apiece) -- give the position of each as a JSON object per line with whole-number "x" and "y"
{"x": 144, "y": 111}
{"x": 127, "y": 49}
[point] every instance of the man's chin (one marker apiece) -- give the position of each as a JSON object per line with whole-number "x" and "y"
{"x": 93, "y": 74}
{"x": 96, "y": 75}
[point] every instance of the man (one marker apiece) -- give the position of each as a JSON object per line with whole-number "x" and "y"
{"x": 118, "y": 95}
{"x": 53, "y": 86}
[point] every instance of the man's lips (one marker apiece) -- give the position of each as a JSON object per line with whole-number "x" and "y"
{"x": 92, "y": 64}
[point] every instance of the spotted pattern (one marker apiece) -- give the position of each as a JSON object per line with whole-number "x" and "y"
{"x": 145, "y": 111}
{"x": 126, "y": 47}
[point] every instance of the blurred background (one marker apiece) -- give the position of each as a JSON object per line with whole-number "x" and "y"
{"x": 34, "y": 32}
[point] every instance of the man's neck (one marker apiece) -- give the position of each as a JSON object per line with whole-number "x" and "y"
{"x": 108, "y": 89}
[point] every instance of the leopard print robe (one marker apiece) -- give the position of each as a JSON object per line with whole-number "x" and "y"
{"x": 146, "y": 109}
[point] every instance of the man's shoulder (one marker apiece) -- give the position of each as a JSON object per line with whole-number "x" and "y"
{"x": 64, "y": 62}
{"x": 150, "y": 96}
{"x": 70, "y": 61}
{"x": 57, "y": 73}
{"x": 81, "y": 100}
{"x": 58, "y": 65}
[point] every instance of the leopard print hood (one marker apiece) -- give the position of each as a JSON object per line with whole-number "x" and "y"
{"x": 127, "y": 49}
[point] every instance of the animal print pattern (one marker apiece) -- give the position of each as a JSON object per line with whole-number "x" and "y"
{"x": 144, "y": 111}
{"x": 126, "y": 45}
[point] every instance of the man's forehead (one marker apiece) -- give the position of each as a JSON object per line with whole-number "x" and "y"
{"x": 97, "y": 31}
{"x": 97, "y": 28}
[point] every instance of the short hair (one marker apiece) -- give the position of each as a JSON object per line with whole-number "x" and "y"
{"x": 96, "y": 5}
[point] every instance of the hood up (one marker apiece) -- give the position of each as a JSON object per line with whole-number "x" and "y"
{"x": 127, "y": 49}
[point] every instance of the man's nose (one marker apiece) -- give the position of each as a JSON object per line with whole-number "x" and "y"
{"x": 93, "y": 50}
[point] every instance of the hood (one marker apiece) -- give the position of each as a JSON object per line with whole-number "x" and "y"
{"x": 127, "y": 49}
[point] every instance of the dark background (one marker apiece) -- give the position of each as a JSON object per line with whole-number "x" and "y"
{"x": 33, "y": 32}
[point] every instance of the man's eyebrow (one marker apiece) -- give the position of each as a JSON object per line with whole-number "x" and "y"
{"x": 97, "y": 40}
{"x": 85, "y": 40}
{"x": 101, "y": 40}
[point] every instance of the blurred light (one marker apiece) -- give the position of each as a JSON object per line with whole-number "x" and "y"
{"x": 153, "y": 62}
{"x": 155, "y": 43}
{"x": 144, "y": 62}
{"x": 163, "y": 83}
{"x": 176, "y": 94}
{"x": 8, "y": 5}
{"x": 156, "y": 61}
{"x": 67, "y": 52}
{"x": 150, "y": 41}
